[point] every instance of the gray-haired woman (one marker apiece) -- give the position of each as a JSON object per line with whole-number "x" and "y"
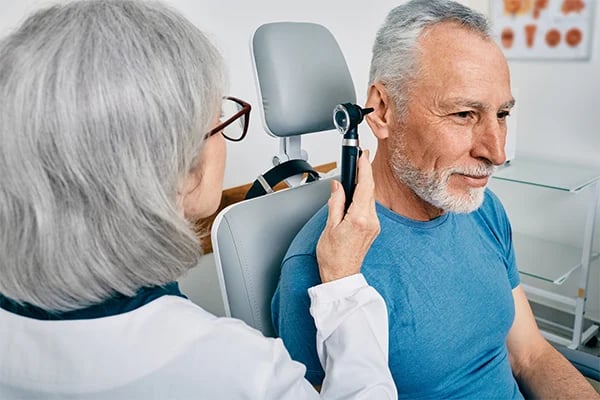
{"x": 110, "y": 142}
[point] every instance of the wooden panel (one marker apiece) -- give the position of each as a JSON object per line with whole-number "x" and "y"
{"x": 231, "y": 196}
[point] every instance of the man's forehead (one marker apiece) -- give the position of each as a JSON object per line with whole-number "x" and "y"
{"x": 447, "y": 43}
{"x": 467, "y": 68}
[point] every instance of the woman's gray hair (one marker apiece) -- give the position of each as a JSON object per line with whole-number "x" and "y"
{"x": 103, "y": 110}
{"x": 395, "y": 51}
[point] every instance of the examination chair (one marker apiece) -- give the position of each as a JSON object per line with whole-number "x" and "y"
{"x": 301, "y": 76}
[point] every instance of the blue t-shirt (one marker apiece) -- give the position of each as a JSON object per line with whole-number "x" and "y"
{"x": 448, "y": 287}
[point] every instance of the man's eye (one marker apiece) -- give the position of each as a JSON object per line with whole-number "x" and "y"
{"x": 503, "y": 114}
{"x": 463, "y": 114}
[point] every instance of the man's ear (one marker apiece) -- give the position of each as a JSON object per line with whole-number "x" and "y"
{"x": 378, "y": 120}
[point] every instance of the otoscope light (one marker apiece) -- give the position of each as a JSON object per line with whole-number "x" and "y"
{"x": 347, "y": 116}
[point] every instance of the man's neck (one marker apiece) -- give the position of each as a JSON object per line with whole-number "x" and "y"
{"x": 398, "y": 197}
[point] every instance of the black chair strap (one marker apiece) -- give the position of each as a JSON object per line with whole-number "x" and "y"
{"x": 264, "y": 183}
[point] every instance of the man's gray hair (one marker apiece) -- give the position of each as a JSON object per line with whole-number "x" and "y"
{"x": 103, "y": 110}
{"x": 395, "y": 54}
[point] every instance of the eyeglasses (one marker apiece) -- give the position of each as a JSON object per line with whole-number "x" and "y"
{"x": 235, "y": 114}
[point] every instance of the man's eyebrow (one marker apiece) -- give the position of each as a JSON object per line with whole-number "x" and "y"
{"x": 509, "y": 104}
{"x": 465, "y": 102}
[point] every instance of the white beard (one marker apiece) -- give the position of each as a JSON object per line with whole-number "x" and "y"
{"x": 432, "y": 186}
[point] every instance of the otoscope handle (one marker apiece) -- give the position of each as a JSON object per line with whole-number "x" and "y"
{"x": 350, "y": 155}
{"x": 346, "y": 118}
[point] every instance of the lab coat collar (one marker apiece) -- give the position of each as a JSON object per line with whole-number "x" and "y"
{"x": 115, "y": 305}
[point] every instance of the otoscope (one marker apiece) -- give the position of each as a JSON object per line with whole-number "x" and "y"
{"x": 346, "y": 118}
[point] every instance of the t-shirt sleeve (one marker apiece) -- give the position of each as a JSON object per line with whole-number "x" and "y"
{"x": 511, "y": 267}
{"x": 290, "y": 310}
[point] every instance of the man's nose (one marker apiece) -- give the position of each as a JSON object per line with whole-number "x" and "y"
{"x": 489, "y": 140}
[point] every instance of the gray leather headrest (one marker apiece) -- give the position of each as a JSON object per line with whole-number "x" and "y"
{"x": 302, "y": 75}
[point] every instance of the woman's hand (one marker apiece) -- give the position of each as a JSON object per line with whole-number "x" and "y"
{"x": 347, "y": 238}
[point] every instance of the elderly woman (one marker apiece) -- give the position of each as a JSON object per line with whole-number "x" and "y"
{"x": 111, "y": 141}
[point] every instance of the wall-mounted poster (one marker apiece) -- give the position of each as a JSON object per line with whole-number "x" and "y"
{"x": 543, "y": 29}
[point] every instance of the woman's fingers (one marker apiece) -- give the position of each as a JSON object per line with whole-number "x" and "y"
{"x": 335, "y": 205}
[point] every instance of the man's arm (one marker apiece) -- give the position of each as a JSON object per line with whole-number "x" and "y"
{"x": 540, "y": 370}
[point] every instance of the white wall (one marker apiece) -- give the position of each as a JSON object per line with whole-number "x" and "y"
{"x": 559, "y": 102}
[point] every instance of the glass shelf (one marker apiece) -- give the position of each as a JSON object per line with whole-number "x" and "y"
{"x": 546, "y": 260}
{"x": 548, "y": 174}
{"x": 569, "y": 289}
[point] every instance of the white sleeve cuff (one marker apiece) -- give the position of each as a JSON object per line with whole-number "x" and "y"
{"x": 338, "y": 289}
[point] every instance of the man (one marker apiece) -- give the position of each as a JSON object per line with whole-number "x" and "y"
{"x": 460, "y": 324}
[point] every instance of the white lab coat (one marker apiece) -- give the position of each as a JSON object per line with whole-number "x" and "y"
{"x": 172, "y": 349}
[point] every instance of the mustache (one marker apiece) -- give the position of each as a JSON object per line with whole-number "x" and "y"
{"x": 485, "y": 168}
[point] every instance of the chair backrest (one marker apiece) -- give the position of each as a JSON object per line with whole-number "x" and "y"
{"x": 249, "y": 241}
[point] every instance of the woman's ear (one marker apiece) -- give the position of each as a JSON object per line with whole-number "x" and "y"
{"x": 378, "y": 120}
{"x": 202, "y": 189}
{"x": 190, "y": 193}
